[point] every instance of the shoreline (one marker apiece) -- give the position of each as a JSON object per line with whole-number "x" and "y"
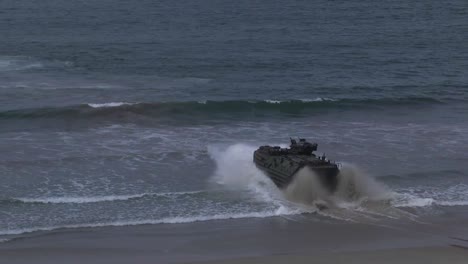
{"x": 298, "y": 239}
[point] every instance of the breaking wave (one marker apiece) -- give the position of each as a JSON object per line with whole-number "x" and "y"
{"x": 14, "y": 63}
{"x": 405, "y": 200}
{"x": 357, "y": 196}
{"x": 113, "y": 104}
{"x": 209, "y": 108}
{"x": 169, "y": 220}
{"x": 22, "y": 63}
{"x": 97, "y": 199}
{"x": 412, "y": 200}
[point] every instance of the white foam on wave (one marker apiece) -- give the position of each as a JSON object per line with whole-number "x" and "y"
{"x": 422, "y": 196}
{"x": 273, "y": 101}
{"x": 17, "y": 63}
{"x": 402, "y": 200}
{"x": 96, "y": 199}
{"x": 305, "y": 100}
{"x": 317, "y": 99}
{"x": 413, "y": 201}
{"x": 452, "y": 203}
{"x": 169, "y": 220}
{"x": 111, "y": 104}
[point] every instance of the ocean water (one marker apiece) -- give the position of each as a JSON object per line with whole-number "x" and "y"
{"x": 120, "y": 113}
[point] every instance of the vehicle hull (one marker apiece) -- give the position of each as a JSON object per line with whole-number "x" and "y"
{"x": 281, "y": 169}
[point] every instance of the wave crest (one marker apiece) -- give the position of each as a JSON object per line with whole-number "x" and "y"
{"x": 112, "y": 104}
{"x": 15, "y": 63}
{"x": 22, "y": 63}
{"x": 207, "y": 108}
{"x": 97, "y": 199}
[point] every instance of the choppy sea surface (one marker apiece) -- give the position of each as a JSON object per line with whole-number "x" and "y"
{"x": 124, "y": 113}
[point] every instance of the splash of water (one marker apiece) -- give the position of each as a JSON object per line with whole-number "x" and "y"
{"x": 357, "y": 198}
{"x": 354, "y": 187}
{"x": 306, "y": 189}
{"x": 236, "y": 170}
{"x": 356, "y": 191}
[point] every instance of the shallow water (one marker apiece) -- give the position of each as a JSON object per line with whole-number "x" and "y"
{"x": 113, "y": 113}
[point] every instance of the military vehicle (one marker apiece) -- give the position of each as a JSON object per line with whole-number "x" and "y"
{"x": 281, "y": 164}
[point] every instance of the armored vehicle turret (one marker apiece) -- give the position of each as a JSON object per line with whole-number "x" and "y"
{"x": 281, "y": 164}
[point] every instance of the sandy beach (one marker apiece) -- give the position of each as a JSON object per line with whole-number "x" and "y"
{"x": 298, "y": 239}
{"x": 401, "y": 256}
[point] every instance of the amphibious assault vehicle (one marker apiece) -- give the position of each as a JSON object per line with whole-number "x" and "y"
{"x": 281, "y": 164}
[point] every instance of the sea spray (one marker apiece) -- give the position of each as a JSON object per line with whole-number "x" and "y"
{"x": 355, "y": 185}
{"x": 235, "y": 170}
{"x": 358, "y": 196}
{"x": 234, "y": 166}
{"x": 355, "y": 190}
{"x": 306, "y": 188}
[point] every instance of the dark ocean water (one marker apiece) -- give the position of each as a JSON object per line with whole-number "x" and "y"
{"x": 122, "y": 112}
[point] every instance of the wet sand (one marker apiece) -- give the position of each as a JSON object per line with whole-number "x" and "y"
{"x": 296, "y": 239}
{"x": 433, "y": 255}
